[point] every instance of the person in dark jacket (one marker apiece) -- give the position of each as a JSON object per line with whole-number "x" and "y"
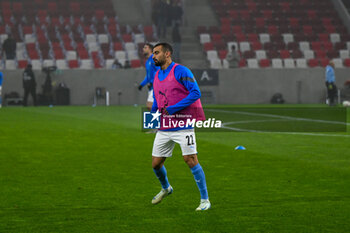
{"x": 29, "y": 84}
{"x": 9, "y": 47}
{"x": 176, "y": 42}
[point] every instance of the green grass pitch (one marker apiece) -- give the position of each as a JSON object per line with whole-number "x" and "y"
{"x": 84, "y": 169}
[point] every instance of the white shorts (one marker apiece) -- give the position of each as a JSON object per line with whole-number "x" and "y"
{"x": 150, "y": 96}
{"x": 164, "y": 142}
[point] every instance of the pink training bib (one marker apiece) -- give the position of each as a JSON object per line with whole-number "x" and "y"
{"x": 169, "y": 92}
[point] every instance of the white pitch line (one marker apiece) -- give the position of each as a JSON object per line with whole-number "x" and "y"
{"x": 278, "y": 116}
{"x": 293, "y": 133}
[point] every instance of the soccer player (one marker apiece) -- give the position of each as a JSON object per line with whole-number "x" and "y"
{"x": 151, "y": 69}
{"x": 330, "y": 83}
{"x": 176, "y": 91}
{"x": 0, "y": 89}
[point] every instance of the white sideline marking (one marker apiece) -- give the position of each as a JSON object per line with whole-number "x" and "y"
{"x": 278, "y": 116}
{"x": 282, "y": 118}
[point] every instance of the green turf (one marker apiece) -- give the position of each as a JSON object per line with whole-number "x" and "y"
{"x": 84, "y": 169}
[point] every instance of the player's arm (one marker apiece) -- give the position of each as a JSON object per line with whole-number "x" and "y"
{"x": 143, "y": 83}
{"x": 186, "y": 78}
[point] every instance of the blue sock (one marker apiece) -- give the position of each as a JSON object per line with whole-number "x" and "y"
{"x": 161, "y": 175}
{"x": 199, "y": 177}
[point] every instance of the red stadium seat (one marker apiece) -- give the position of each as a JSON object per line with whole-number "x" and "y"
{"x": 135, "y": 63}
{"x": 72, "y": 64}
{"x": 313, "y": 63}
{"x": 324, "y": 62}
{"x": 347, "y": 62}
{"x": 264, "y": 63}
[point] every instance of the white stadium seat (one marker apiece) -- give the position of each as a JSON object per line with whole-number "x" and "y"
{"x": 334, "y": 37}
{"x": 264, "y": 37}
{"x": 260, "y": 54}
{"x": 215, "y": 64}
{"x": 289, "y": 63}
{"x": 244, "y": 46}
{"x": 61, "y": 64}
{"x": 309, "y": 54}
{"x": 252, "y": 63}
{"x": 343, "y": 54}
{"x": 139, "y": 38}
{"x": 212, "y": 54}
{"x": 204, "y": 38}
{"x": 120, "y": 55}
{"x": 338, "y": 63}
{"x": 36, "y": 64}
{"x": 90, "y": 38}
{"x": 277, "y": 63}
{"x": 129, "y": 46}
{"x": 304, "y": 45}
{"x": 225, "y": 64}
{"x": 48, "y": 62}
{"x": 103, "y": 38}
{"x": 109, "y": 63}
{"x": 301, "y": 63}
{"x": 85, "y": 64}
{"x": 10, "y": 64}
{"x": 287, "y": 37}
{"x": 71, "y": 55}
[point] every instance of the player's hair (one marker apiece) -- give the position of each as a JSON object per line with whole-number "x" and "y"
{"x": 149, "y": 45}
{"x": 165, "y": 47}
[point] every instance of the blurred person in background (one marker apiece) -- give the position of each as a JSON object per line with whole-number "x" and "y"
{"x": 151, "y": 69}
{"x": 330, "y": 84}
{"x": 9, "y": 47}
{"x": 162, "y": 10}
{"x": 233, "y": 57}
{"x": 176, "y": 12}
{"x": 116, "y": 64}
{"x": 29, "y": 84}
{"x": 1, "y": 88}
{"x": 127, "y": 64}
{"x": 176, "y": 42}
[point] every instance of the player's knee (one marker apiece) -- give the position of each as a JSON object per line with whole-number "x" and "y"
{"x": 191, "y": 160}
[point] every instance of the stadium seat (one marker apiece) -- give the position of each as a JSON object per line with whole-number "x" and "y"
{"x": 289, "y": 63}
{"x": 260, "y": 54}
{"x": 347, "y": 62}
{"x": 244, "y": 46}
{"x": 264, "y": 63}
{"x": 36, "y": 64}
{"x": 85, "y": 64}
{"x": 264, "y": 37}
{"x": 252, "y": 63}
{"x": 215, "y": 64}
{"x": 61, "y": 64}
{"x": 10, "y": 64}
{"x": 135, "y": 63}
{"x": 277, "y": 63}
{"x": 309, "y": 54}
{"x": 304, "y": 45}
{"x": 344, "y": 54}
{"x": 301, "y": 63}
{"x": 313, "y": 62}
{"x": 204, "y": 38}
{"x": 338, "y": 63}
{"x": 73, "y": 64}
{"x": 212, "y": 54}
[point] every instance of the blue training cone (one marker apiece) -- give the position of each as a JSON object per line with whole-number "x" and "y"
{"x": 240, "y": 148}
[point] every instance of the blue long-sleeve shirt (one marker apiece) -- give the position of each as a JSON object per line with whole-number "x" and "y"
{"x": 151, "y": 70}
{"x": 185, "y": 77}
{"x": 330, "y": 76}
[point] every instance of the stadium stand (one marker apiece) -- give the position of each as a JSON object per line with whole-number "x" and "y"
{"x": 299, "y": 33}
{"x": 85, "y": 36}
